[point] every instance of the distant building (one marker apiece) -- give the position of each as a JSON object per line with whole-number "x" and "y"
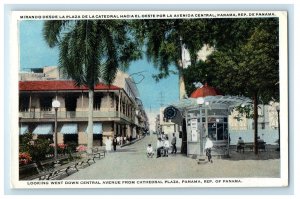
{"x": 116, "y": 108}
{"x": 44, "y": 73}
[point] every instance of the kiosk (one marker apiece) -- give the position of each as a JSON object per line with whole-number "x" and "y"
{"x": 207, "y": 117}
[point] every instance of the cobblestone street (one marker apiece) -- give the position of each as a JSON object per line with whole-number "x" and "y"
{"x": 131, "y": 162}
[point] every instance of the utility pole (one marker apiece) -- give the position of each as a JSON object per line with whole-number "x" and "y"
{"x": 161, "y": 99}
{"x": 182, "y": 91}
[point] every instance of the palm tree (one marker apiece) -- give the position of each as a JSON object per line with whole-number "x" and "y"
{"x": 91, "y": 51}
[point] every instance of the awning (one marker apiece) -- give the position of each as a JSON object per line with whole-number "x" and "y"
{"x": 43, "y": 129}
{"x": 69, "y": 128}
{"x": 213, "y": 102}
{"x": 23, "y": 129}
{"x": 97, "y": 128}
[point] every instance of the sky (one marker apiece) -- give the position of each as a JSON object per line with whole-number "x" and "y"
{"x": 34, "y": 53}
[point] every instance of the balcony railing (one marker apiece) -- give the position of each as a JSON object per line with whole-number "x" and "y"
{"x": 72, "y": 114}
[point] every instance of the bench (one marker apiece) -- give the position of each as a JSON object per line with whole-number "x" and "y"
{"x": 57, "y": 167}
{"x": 32, "y": 172}
{"x": 221, "y": 147}
{"x": 28, "y": 170}
{"x": 261, "y": 146}
{"x": 243, "y": 146}
{"x": 98, "y": 153}
{"x": 49, "y": 164}
{"x": 83, "y": 157}
{"x": 65, "y": 168}
{"x": 52, "y": 168}
{"x": 250, "y": 145}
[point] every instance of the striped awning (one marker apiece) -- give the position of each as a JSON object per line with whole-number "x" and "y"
{"x": 23, "y": 129}
{"x": 69, "y": 128}
{"x": 43, "y": 129}
{"x": 97, "y": 128}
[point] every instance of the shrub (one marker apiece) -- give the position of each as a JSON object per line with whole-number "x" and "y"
{"x": 24, "y": 158}
{"x": 81, "y": 148}
{"x": 37, "y": 149}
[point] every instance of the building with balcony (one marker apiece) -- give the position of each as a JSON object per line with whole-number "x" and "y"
{"x": 116, "y": 111}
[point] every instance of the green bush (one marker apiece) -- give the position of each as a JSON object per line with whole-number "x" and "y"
{"x": 38, "y": 149}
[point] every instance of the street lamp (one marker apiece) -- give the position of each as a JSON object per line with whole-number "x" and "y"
{"x": 200, "y": 102}
{"x": 55, "y": 105}
{"x": 278, "y": 117}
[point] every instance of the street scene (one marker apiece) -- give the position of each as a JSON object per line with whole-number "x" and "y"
{"x": 182, "y": 97}
{"x": 131, "y": 162}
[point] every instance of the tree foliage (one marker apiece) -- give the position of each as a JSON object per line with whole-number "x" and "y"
{"x": 252, "y": 66}
{"x": 245, "y": 61}
{"x": 163, "y": 40}
{"x": 92, "y": 51}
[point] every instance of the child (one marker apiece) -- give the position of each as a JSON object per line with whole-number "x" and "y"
{"x": 149, "y": 151}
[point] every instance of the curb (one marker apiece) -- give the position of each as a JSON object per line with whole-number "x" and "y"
{"x": 132, "y": 142}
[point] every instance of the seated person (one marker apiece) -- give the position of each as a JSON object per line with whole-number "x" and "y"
{"x": 261, "y": 143}
{"x": 259, "y": 139}
{"x": 159, "y": 147}
{"x": 240, "y": 144}
{"x": 150, "y": 152}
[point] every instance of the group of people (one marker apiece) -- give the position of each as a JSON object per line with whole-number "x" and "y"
{"x": 117, "y": 140}
{"x": 162, "y": 146}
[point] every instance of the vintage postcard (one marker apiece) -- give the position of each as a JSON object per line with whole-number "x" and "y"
{"x": 149, "y": 99}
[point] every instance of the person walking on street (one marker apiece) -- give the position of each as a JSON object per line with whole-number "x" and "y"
{"x": 208, "y": 145}
{"x": 173, "y": 142}
{"x": 118, "y": 140}
{"x": 115, "y": 142}
{"x": 166, "y": 146}
{"x": 108, "y": 144}
{"x": 159, "y": 147}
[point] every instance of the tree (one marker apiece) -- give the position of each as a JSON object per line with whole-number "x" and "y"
{"x": 245, "y": 62}
{"x": 91, "y": 51}
{"x": 163, "y": 41}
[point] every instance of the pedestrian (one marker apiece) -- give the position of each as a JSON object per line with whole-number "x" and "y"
{"x": 118, "y": 140}
{"x": 108, "y": 143}
{"x": 150, "y": 152}
{"x": 115, "y": 142}
{"x": 101, "y": 140}
{"x": 166, "y": 146}
{"x": 121, "y": 140}
{"x": 173, "y": 142}
{"x": 159, "y": 147}
{"x": 208, "y": 145}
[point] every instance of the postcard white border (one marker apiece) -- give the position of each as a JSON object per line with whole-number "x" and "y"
{"x": 60, "y": 15}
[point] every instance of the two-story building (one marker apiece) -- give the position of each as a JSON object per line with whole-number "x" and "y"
{"x": 114, "y": 114}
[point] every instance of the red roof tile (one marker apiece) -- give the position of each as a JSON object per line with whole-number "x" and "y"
{"x": 205, "y": 91}
{"x": 58, "y": 85}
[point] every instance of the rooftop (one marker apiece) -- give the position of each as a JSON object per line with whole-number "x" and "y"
{"x": 205, "y": 91}
{"x": 59, "y": 85}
